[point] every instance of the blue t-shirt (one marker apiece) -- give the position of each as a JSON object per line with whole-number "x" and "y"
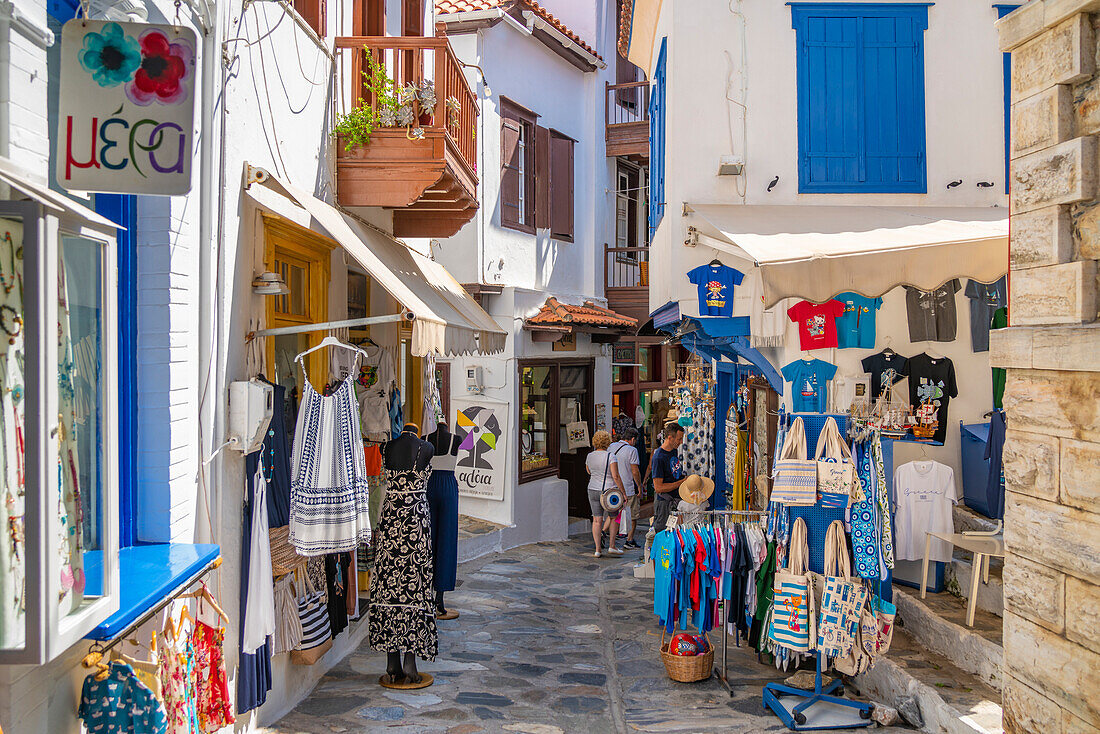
{"x": 661, "y": 553}
{"x": 120, "y": 704}
{"x": 715, "y": 283}
{"x": 810, "y": 384}
{"x": 856, "y": 326}
{"x": 666, "y": 466}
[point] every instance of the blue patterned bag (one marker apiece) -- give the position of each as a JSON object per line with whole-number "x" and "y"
{"x": 864, "y": 526}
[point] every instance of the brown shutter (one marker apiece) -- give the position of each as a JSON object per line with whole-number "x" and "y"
{"x": 509, "y": 170}
{"x": 561, "y": 187}
{"x": 368, "y": 18}
{"x": 542, "y": 177}
{"x": 313, "y": 13}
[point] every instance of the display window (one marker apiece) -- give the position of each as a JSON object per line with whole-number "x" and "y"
{"x": 552, "y": 395}
{"x": 58, "y": 474}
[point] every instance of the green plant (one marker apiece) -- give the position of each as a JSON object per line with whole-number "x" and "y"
{"x": 356, "y": 126}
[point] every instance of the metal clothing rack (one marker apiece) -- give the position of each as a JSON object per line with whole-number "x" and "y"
{"x": 722, "y": 673}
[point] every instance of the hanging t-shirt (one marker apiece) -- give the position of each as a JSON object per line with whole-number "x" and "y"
{"x": 809, "y": 384}
{"x": 985, "y": 299}
{"x": 924, "y": 493}
{"x": 932, "y": 313}
{"x": 886, "y": 368}
{"x": 661, "y": 553}
{"x": 816, "y": 323}
{"x": 855, "y": 328}
{"x": 1000, "y": 321}
{"x": 372, "y": 387}
{"x": 715, "y": 284}
{"x": 932, "y": 380}
{"x": 120, "y": 704}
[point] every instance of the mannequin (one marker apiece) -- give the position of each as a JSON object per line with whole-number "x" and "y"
{"x": 401, "y": 613}
{"x": 443, "y": 512}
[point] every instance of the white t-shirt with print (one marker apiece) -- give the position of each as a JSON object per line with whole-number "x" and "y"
{"x": 924, "y": 494}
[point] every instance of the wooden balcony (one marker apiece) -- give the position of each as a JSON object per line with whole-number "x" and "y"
{"x": 626, "y": 280}
{"x": 627, "y": 120}
{"x": 430, "y": 183}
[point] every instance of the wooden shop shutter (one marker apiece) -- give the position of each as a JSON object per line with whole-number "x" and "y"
{"x": 561, "y": 186}
{"x": 509, "y": 170}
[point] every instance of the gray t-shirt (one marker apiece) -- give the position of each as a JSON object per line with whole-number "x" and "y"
{"x": 985, "y": 299}
{"x": 932, "y": 313}
{"x": 625, "y": 456}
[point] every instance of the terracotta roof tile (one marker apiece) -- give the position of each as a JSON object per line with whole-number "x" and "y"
{"x": 443, "y": 7}
{"x": 556, "y": 313}
{"x": 626, "y": 15}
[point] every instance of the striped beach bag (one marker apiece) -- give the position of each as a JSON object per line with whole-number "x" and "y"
{"x": 316, "y": 629}
{"x": 795, "y": 480}
{"x": 794, "y": 622}
{"x": 843, "y": 601}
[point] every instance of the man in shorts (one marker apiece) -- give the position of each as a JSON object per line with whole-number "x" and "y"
{"x": 627, "y": 472}
{"x": 668, "y": 475}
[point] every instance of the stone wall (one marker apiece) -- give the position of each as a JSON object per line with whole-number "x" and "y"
{"x": 1052, "y": 354}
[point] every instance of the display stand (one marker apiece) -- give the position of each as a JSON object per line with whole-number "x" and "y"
{"x": 822, "y": 708}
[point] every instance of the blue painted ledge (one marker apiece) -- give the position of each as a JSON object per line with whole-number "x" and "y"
{"x": 149, "y": 574}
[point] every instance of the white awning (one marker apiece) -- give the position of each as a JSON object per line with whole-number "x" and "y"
{"x": 60, "y": 205}
{"x": 447, "y": 319}
{"x": 816, "y": 252}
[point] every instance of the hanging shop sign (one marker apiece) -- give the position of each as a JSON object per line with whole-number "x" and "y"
{"x": 125, "y": 122}
{"x": 623, "y": 353}
{"x": 482, "y": 429}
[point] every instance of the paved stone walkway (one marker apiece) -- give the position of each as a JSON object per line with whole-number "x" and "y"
{"x": 550, "y": 640}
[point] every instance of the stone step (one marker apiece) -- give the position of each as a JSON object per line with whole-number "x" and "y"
{"x": 990, "y": 595}
{"x": 938, "y": 623}
{"x": 969, "y": 520}
{"x": 949, "y": 700}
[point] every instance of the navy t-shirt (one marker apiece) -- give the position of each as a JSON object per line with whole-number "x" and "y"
{"x": 666, "y": 467}
{"x": 715, "y": 284}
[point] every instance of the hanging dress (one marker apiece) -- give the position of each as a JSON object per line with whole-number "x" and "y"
{"x": 402, "y": 601}
{"x": 328, "y": 490}
{"x": 443, "y": 513}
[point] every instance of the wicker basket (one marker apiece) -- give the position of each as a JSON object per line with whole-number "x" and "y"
{"x": 284, "y": 558}
{"x": 688, "y": 668}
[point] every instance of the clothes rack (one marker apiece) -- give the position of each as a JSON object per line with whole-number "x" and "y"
{"x": 722, "y": 672}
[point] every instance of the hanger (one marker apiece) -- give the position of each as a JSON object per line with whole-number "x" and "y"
{"x": 329, "y": 341}
{"x": 204, "y": 594}
{"x": 716, "y": 262}
{"x": 887, "y": 349}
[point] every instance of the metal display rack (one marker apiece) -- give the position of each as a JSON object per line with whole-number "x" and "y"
{"x": 836, "y": 712}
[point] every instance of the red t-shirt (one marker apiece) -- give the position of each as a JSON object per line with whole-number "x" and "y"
{"x": 816, "y": 323}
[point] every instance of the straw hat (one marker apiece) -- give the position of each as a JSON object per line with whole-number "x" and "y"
{"x": 696, "y": 489}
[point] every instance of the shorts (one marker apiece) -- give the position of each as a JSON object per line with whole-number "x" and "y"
{"x": 594, "y": 503}
{"x": 634, "y": 503}
{"x": 662, "y": 507}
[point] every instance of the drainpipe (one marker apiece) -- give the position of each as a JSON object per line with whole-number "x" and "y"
{"x": 535, "y": 22}
{"x": 482, "y": 16}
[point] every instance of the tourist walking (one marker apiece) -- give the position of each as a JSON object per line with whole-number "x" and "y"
{"x": 600, "y": 478}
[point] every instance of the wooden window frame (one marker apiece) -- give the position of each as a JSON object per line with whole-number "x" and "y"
{"x": 312, "y": 12}
{"x": 553, "y": 414}
{"x": 518, "y": 117}
{"x": 368, "y": 18}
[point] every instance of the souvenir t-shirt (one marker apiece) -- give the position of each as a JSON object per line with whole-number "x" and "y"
{"x": 856, "y": 326}
{"x": 715, "y": 284}
{"x": 885, "y": 368}
{"x": 372, "y": 387}
{"x": 985, "y": 299}
{"x": 661, "y": 553}
{"x": 932, "y": 380}
{"x": 816, "y": 323}
{"x": 932, "y": 313}
{"x": 924, "y": 494}
{"x": 120, "y": 704}
{"x": 810, "y": 384}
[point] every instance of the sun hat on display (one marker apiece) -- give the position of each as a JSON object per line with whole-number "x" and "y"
{"x": 696, "y": 489}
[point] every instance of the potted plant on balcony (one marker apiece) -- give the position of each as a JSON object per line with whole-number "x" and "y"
{"x": 409, "y": 106}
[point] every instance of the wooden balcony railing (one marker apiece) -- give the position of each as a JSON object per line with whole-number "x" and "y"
{"x": 626, "y": 114}
{"x": 626, "y": 280}
{"x": 410, "y": 59}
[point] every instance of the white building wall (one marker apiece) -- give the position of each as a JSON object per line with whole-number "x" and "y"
{"x": 709, "y": 79}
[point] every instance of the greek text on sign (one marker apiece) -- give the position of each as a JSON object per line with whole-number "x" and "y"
{"x": 482, "y": 429}
{"x": 127, "y": 101}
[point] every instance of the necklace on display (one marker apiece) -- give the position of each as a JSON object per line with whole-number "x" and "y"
{"x": 16, "y": 322}
{"x": 5, "y": 283}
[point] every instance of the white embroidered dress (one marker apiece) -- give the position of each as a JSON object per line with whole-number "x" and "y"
{"x": 328, "y": 482}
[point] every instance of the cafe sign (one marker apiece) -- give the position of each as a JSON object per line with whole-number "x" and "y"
{"x": 125, "y": 122}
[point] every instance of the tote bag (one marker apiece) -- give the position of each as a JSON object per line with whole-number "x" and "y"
{"x": 793, "y": 617}
{"x": 835, "y": 467}
{"x": 316, "y": 631}
{"x": 795, "y": 476}
{"x": 576, "y": 431}
{"x": 843, "y": 600}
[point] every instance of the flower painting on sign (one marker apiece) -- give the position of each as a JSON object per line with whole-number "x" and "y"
{"x": 126, "y": 118}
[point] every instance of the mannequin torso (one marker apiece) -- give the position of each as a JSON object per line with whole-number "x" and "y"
{"x": 407, "y": 451}
{"x": 444, "y": 447}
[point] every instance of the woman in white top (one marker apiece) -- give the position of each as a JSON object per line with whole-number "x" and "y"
{"x": 600, "y": 478}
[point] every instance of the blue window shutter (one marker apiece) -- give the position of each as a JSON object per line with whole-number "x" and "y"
{"x": 1002, "y": 11}
{"x": 657, "y": 112}
{"x": 860, "y": 97}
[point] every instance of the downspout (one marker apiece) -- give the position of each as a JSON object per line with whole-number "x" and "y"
{"x": 481, "y": 229}
{"x": 535, "y": 22}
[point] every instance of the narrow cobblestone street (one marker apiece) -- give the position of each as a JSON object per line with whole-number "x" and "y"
{"x": 550, "y": 640}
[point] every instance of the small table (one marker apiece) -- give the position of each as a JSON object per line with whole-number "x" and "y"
{"x": 983, "y": 547}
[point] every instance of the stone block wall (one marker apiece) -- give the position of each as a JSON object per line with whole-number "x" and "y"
{"x": 1052, "y": 355}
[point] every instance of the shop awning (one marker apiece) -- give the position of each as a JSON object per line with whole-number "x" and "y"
{"x": 62, "y": 206}
{"x": 816, "y": 252}
{"x": 447, "y": 320}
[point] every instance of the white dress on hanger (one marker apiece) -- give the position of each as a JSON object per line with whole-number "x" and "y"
{"x": 259, "y": 612}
